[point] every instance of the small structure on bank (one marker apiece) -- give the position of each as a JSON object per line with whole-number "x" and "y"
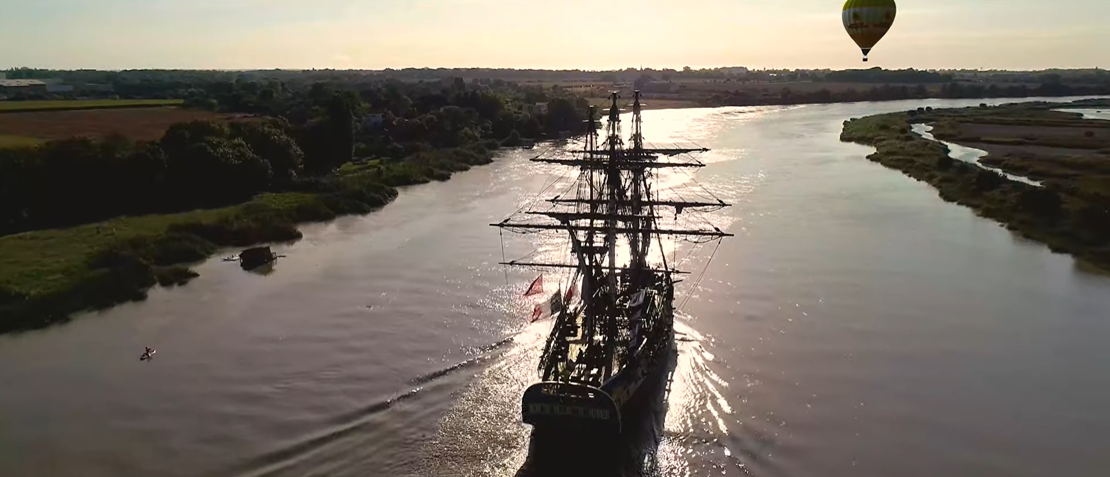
{"x": 255, "y": 257}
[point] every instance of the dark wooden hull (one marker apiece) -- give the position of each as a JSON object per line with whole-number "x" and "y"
{"x": 572, "y": 407}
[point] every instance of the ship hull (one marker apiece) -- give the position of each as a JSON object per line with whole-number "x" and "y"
{"x": 572, "y": 407}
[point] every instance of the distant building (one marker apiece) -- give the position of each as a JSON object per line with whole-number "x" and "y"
{"x": 54, "y": 85}
{"x": 659, "y": 87}
{"x": 536, "y": 109}
{"x": 17, "y": 86}
{"x": 3, "y": 76}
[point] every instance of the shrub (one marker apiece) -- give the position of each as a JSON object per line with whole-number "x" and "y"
{"x": 944, "y": 163}
{"x": 168, "y": 276}
{"x": 1040, "y": 201}
{"x": 988, "y": 180}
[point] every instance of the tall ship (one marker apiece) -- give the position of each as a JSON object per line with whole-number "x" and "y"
{"x": 607, "y": 339}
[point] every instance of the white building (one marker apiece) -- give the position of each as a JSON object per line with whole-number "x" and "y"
{"x": 22, "y": 86}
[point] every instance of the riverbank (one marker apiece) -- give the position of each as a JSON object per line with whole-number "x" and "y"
{"x": 48, "y": 275}
{"x": 1070, "y": 155}
{"x": 682, "y": 95}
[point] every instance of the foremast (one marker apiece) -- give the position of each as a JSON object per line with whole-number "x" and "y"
{"x": 614, "y": 199}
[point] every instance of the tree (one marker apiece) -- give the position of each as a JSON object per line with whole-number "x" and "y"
{"x": 215, "y": 171}
{"x": 341, "y": 130}
{"x": 273, "y": 145}
{"x": 562, "y": 115}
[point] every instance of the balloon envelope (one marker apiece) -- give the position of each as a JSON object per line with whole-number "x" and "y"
{"x": 867, "y": 21}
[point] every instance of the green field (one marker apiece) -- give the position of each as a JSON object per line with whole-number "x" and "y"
{"x": 17, "y": 141}
{"x": 62, "y": 105}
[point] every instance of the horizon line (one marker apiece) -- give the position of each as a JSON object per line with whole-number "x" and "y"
{"x": 555, "y": 70}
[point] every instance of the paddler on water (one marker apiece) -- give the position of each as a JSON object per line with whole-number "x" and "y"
{"x": 148, "y": 354}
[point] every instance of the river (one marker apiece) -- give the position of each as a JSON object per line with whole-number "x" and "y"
{"x": 856, "y": 325}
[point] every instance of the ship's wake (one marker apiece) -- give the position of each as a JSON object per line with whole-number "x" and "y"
{"x": 464, "y": 420}
{"x": 677, "y": 425}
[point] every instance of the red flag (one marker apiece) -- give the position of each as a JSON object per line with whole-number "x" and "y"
{"x": 570, "y": 292}
{"x": 536, "y": 287}
{"x": 537, "y": 313}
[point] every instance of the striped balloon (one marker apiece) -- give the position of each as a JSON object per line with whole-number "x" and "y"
{"x": 867, "y": 21}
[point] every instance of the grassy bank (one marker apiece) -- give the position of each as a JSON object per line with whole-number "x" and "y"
{"x": 71, "y": 105}
{"x": 1071, "y": 213}
{"x": 18, "y": 141}
{"x": 47, "y": 275}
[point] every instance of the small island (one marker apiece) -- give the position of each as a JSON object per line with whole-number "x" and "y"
{"x": 1065, "y": 201}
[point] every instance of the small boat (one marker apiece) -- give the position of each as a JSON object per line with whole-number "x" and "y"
{"x": 529, "y": 145}
{"x": 256, "y": 257}
{"x": 148, "y": 356}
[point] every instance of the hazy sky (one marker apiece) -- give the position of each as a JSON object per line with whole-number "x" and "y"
{"x": 374, "y": 34}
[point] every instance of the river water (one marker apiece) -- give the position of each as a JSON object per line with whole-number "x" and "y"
{"x": 968, "y": 154}
{"x": 857, "y": 325}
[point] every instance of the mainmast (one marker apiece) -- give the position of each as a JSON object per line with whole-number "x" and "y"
{"x": 603, "y": 205}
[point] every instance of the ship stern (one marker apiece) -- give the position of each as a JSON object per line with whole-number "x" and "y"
{"x": 568, "y": 407}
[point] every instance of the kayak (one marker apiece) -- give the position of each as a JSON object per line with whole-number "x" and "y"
{"x": 145, "y": 356}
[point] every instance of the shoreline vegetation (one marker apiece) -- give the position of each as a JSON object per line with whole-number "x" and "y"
{"x": 1069, "y": 155}
{"x": 50, "y": 274}
{"x": 87, "y": 223}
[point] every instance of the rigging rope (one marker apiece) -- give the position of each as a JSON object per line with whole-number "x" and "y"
{"x": 504, "y": 267}
{"x": 697, "y": 282}
{"x": 537, "y": 197}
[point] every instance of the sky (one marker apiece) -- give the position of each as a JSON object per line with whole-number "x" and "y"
{"x": 548, "y": 34}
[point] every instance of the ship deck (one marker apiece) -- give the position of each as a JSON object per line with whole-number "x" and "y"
{"x": 586, "y": 354}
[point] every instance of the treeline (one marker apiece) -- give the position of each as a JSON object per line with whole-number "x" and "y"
{"x": 879, "y": 75}
{"x": 158, "y": 83}
{"x": 952, "y": 90}
{"x": 312, "y": 131}
{"x": 197, "y": 164}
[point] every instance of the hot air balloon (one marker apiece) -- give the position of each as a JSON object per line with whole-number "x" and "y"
{"x": 867, "y": 21}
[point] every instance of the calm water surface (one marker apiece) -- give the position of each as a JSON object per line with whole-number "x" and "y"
{"x": 1103, "y": 113}
{"x": 856, "y": 325}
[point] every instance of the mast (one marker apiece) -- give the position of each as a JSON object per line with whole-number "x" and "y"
{"x": 613, "y": 180}
{"x": 604, "y": 197}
